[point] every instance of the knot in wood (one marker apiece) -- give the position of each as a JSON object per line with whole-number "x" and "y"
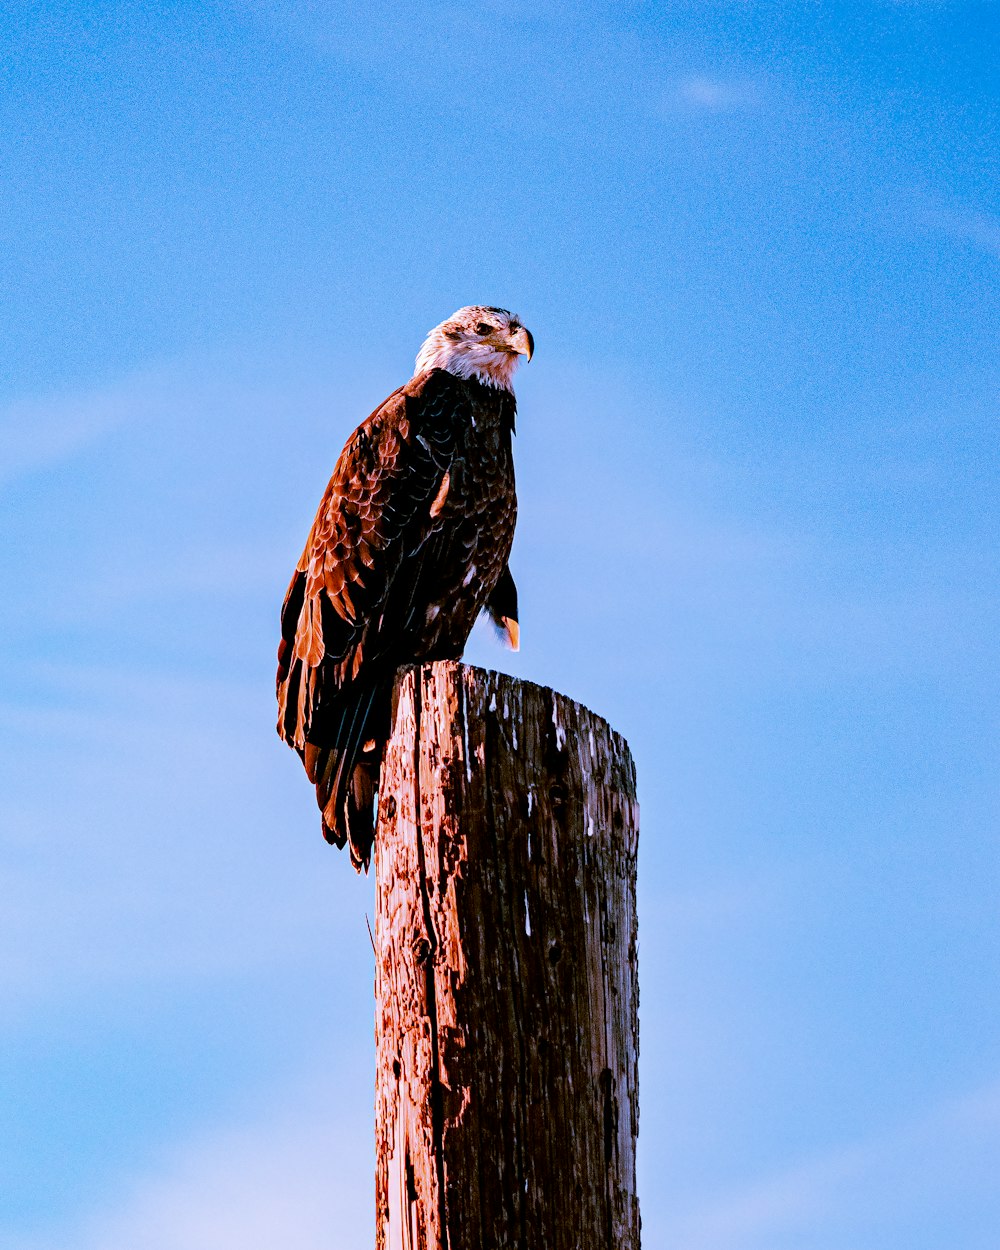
{"x": 557, "y": 796}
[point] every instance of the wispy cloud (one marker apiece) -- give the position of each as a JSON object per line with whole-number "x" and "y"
{"x": 166, "y": 876}
{"x": 39, "y": 431}
{"x": 907, "y": 1170}
{"x": 981, "y": 230}
{"x": 716, "y": 95}
{"x": 292, "y": 1173}
{"x": 208, "y": 396}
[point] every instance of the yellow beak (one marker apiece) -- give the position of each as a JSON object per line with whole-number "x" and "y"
{"x": 523, "y": 343}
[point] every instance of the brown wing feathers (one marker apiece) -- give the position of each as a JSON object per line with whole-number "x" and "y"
{"x": 353, "y": 598}
{"x": 410, "y": 542}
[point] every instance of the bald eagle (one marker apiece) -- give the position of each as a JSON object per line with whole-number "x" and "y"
{"x": 409, "y": 545}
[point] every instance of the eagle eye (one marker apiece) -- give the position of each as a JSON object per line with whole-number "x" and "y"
{"x": 483, "y": 328}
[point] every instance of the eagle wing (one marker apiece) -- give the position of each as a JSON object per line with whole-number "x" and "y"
{"x": 354, "y": 596}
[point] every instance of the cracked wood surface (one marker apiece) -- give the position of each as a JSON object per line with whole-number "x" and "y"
{"x": 506, "y": 973}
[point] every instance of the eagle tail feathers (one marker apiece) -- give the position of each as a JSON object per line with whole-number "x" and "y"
{"x": 346, "y": 774}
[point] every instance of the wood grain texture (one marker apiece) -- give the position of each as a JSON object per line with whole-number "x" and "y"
{"x": 506, "y": 971}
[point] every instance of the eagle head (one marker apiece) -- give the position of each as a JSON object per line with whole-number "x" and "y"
{"x": 478, "y": 342}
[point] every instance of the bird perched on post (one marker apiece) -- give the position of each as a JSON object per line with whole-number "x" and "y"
{"x": 409, "y": 545}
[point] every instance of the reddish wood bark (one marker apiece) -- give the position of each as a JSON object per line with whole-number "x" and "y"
{"x": 506, "y": 971}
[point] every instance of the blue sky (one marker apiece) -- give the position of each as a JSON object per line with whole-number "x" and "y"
{"x": 758, "y": 246}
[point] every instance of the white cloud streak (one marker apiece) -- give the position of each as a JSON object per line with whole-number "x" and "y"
{"x": 981, "y": 230}
{"x": 905, "y": 1170}
{"x": 165, "y": 849}
{"x": 38, "y": 432}
{"x": 716, "y": 95}
{"x": 292, "y": 1174}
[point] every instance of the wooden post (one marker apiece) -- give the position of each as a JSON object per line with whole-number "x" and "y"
{"x": 506, "y": 971}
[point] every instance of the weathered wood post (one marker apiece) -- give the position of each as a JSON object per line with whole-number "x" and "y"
{"x": 506, "y": 971}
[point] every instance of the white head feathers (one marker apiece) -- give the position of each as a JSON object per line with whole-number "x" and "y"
{"x": 477, "y": 342}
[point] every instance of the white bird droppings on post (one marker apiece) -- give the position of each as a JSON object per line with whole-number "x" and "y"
{"x": 465, "y": 734}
